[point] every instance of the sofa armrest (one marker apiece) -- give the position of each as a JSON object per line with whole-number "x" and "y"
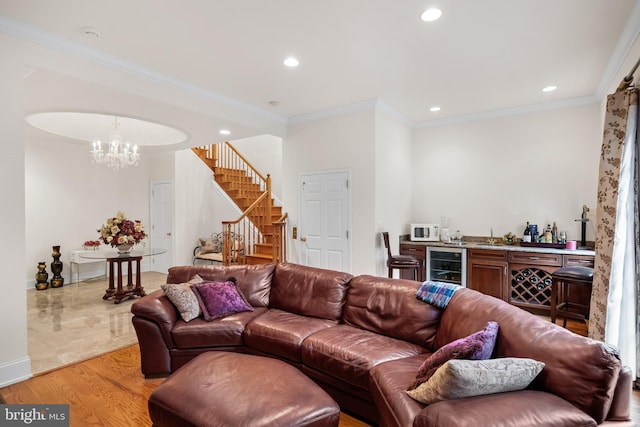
{"x": 157, "y": 308}
{"x": 621, "y": 404}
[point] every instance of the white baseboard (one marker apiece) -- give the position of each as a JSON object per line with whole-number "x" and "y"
{"x": 15, "y": 371}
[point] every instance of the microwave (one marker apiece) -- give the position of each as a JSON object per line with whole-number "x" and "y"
{"x": 424, "y": 233}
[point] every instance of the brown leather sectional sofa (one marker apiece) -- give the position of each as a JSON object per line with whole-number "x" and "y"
{"x": 363, "y": 339}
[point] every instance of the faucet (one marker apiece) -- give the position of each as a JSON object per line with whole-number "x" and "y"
{"x": 491, "y": 240}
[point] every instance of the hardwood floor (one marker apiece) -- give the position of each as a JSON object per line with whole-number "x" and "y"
{"x": 110, "y": 391}
{"x": 106, "y": 391}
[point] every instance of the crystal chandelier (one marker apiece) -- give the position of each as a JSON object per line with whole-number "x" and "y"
{"x": 117, "y": 155}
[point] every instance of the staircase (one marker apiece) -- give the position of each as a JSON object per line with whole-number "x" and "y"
{"x": 258, "y": 236}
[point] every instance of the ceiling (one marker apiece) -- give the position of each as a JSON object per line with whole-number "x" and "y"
{"x": 479, "y": 57}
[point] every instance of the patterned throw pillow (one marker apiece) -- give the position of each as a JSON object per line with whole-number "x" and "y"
{"x": 465, "y": 378}
{"x": 477, "y": 346}
{"x": 181, "y": 295}
{"x": 219, "y": 299}
{"x": 209, "y": 246}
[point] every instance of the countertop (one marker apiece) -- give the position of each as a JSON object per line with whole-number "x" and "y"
{"x": 502, "y": 247}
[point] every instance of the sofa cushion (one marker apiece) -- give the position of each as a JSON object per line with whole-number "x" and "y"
{"x": 348, "y": 353}
{"x": 253, "y": 280}
{"x": 280, "y": 333}
{"x": 529, "y": 408}
{"x": 522, "y": 334}
{"x": 478, "y": 346}
{"x": 465, "y": 378}
{"x": 389, "y": 307}
{"x": 225, "y": 332}
{"x": 309, "y": 291}
{"x": 220, "y": 299}
{"x": 388, "y": 385}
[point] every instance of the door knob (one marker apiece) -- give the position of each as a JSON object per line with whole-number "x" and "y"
{"x": 303, "y": 239}
{"x": 168, "y": 234}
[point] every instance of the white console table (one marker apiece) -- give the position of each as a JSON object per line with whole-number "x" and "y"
{"x": 76, "y": 259}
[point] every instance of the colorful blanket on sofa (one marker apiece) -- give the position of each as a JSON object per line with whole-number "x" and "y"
{"x": 436, "y": 293}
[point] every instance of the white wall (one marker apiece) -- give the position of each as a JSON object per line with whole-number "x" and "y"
{"x": 345, "y": 142}
{"x": 393, "y": 184}
{"x": 499, "y": 173}
{"x": 200, "y": 207}
{"x": 68, "y": 198}
{"x": 14, "y": 360}
{"x": 264, "y": 152}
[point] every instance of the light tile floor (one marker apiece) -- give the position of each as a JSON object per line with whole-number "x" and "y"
{"x": 73, "y": 323}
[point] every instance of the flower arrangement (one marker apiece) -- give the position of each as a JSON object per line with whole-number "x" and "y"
{"x": 121, "y": 231}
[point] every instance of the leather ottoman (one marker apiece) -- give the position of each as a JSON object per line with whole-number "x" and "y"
{"x": 234, "y": 389}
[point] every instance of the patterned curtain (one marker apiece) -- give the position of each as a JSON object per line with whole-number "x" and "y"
{"x": 616, "y": 287}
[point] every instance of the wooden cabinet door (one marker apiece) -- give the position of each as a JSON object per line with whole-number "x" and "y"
{"x": 487, "y": 276}
{"x": 419, "y": 252}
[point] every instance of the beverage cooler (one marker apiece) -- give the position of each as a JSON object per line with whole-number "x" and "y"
{"x": 447, "y": 265}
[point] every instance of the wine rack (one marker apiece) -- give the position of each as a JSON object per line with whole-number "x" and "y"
{"x": 530, "y": 286}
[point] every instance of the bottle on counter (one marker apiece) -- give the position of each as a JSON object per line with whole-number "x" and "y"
{"x": 526, "y": 235}
{"x": 548, "y": 235}
{"x": 554, "y": 233}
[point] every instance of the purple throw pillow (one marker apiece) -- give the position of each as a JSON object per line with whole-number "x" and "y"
{"x": 219, "y": 299}
{"x": 477, "y": 346}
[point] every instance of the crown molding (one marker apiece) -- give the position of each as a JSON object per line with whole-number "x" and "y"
{"x": 46, "y": 39}
{"x": 512, "y": 111}
{"x": 627, "y": 38}
{"x": 368, "y": 104}
{"x": 386, "y": 108}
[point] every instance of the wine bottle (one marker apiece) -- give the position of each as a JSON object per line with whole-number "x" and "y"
{"x": 526, "y": 236}
{"x": 548, "y": 238}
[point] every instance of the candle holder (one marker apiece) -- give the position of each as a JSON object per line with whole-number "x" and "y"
{"x": 42, "y": 276}
{"x": 56, "y": 267}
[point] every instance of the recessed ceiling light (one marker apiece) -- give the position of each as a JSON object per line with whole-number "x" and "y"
{"x": 434, "y": 109}
{"x": 549, "y": 88}
{"x": 291, "y": 62}
{"x": 225, "y": 132}
{"x": 431, "y": 14}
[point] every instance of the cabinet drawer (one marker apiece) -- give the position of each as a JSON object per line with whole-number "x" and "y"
{"x": 536, "y": 258}
{"x": 582, "y": 260}
{"x": 418, "y": 251}
{"x": 488, "y": 254}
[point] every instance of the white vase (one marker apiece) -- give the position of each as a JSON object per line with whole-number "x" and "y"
{"x": 124, "y": 248}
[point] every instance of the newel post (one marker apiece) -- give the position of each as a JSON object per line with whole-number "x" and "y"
{"x": 269, "y": 201}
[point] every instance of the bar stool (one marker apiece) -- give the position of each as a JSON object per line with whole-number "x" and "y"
{"x": 566, "y": 281}
{"x": 400, "y": 262}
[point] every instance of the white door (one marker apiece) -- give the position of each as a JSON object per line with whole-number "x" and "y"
{"x": 324, "y": 220}
{"x": 161, "y": 235}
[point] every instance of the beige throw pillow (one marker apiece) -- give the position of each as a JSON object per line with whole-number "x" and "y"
{"x": 182, "y": 296}
{"x": 459, "y": 378}
{"x": 208, "y": 246}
